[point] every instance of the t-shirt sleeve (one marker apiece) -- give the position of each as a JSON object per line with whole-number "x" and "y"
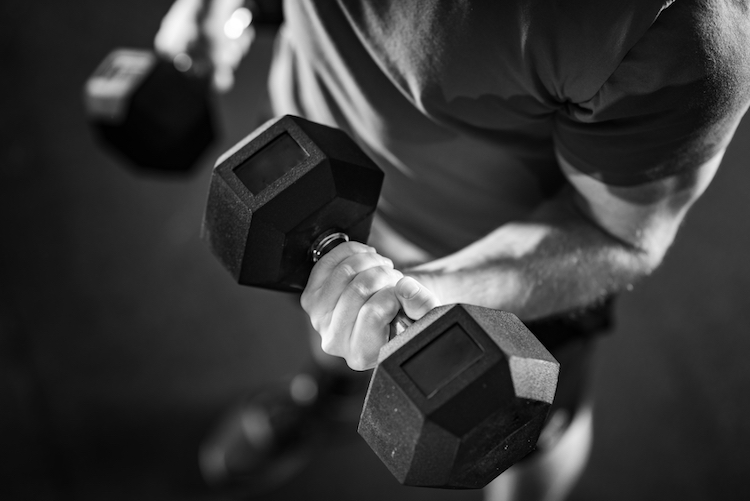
{"x": 672, "y": 103}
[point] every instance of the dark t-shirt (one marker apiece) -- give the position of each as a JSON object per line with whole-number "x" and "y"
{"x": 465, "y": 104}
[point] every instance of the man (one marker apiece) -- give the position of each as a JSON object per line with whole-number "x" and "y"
{"x": 539, "y": 157}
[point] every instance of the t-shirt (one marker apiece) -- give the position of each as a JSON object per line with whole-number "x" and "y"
{"x": 465, "y": 103}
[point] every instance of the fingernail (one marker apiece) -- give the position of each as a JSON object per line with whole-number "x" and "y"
{"x": 409, "y": 288}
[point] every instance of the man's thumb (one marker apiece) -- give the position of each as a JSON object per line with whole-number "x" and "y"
{"x": 416, "y": 299}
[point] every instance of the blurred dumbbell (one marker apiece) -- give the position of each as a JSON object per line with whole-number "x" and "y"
{"x": 456, "y": 398}
{"x": 156, "y": 111}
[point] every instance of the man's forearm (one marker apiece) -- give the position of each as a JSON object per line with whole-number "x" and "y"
{"x": 558, "y": 260}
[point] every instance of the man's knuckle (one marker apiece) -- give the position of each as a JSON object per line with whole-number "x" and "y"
{"x": 360, "y": 289}
{"x": 346, "y": 271}
{"x": 388, "y": 271}
{"x": 366, "y": 283}
{"x": 376, "y": 313}
{"x": 329, "y": 346}
{"x": 316, "y": 323}
{"x": 305, "y": 301}
{"x": 357, "y": 362}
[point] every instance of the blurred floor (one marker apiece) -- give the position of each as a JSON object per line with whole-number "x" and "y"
{"x": 121, "y": 339}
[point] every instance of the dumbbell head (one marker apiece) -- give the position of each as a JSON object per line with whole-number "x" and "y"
{"x": 143, "y": 107}
{"x": 281, "y": 189}
{"x": 458, "y": 398}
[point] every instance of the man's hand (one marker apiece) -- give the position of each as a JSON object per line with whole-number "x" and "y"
{"x": 196, "y": 30}
{"x": 351, "y": 297}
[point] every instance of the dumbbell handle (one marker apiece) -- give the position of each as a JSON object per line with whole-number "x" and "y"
{"x": 325, "y": 244}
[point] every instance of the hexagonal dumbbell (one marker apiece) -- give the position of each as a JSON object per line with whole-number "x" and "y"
{"x": 457, "y": 397}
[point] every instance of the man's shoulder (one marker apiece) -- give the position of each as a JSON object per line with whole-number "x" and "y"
{"x": 672, "y": 102}
{"x": 652, "y": 45}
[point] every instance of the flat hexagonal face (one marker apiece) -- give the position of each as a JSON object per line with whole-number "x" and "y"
{"x": 280, "y": 189}
{"x": 447, "y": 407}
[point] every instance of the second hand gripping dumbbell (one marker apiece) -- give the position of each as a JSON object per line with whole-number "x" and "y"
{"x": 456, "y": 398}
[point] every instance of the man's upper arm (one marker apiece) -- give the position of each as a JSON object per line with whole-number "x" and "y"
{"x": 646, "y": 145}
{"x": 646, "y": 216}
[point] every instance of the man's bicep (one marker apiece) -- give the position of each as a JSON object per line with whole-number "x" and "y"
{"x": 644, "y": 216}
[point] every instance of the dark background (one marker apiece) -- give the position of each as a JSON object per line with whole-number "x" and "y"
{"x": 121, "y": 338}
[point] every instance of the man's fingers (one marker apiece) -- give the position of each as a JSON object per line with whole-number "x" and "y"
{"x": 354, "y": 302}
{"x": 327, "y": 264}
{"x": 179, "y": 28}
{"x": 352, "y": 296}
{"x": 372, "y": 326}
{"x": 230, "y": 38}
{"x": 416, "y": 299}
{"x": 219, "y": 27}
{"x": 371, "y": 329}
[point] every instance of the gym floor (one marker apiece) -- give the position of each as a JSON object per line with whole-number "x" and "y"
{"x": 122, "y": 340}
